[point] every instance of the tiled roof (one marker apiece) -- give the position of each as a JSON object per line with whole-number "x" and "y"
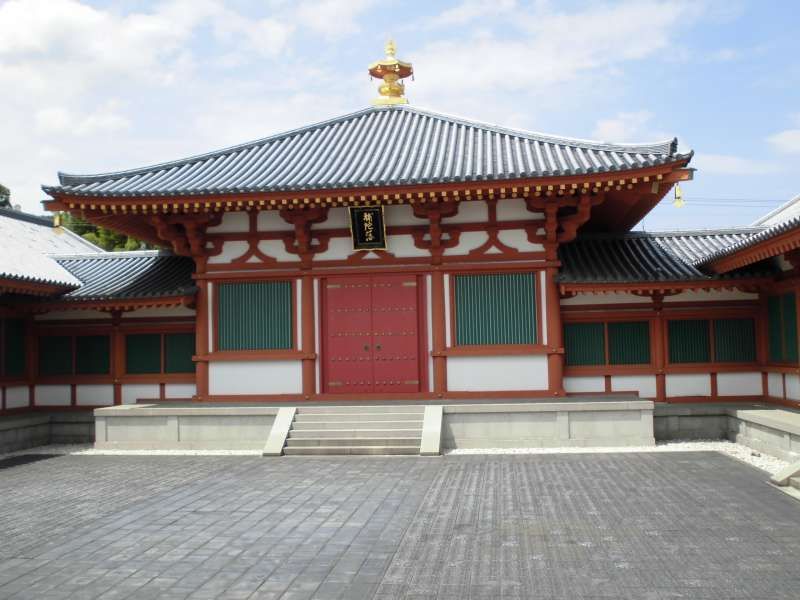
{"x": 378, "y": 146}
{"x": 760, "y": 236}
{"x": 26, "y": 241}
{"x": 129, "y": 275}
{"x": 644, "y": 257}
{"x": 694, "y": 246}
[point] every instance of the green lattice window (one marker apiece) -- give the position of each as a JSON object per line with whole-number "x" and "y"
{"x": 143, "y": 353}
{"x": 629, "y": 343}
{"x": 178, "y": 352}
{"x": 782, "y": 328}
{"x": 12, "y": 332}
{"x": 92, "y": 355}
{"x": 497, "y": 308}
{"x": 689, "y": 341}
{"x": 255, "y": 315}
{"x": 55, "y": 355}
{"x": 734, "y": 340}
{"x": 584, "y": 344}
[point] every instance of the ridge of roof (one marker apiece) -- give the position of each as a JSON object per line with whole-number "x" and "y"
{"x": 667, "y": 148}
{"x": 11, "y": 213}
{"x": 673, "y": 233}
{"x": 111, "y": 255}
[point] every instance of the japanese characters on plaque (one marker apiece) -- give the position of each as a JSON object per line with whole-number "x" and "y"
{"x": 367, "y": 228}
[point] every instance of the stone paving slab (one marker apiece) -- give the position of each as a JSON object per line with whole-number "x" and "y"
{"x": 573, "y": 526}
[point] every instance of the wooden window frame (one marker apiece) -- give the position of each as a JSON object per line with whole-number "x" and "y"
{"x": 455, "y": 349}
{"x": 73, "y": 376}
{"x": 607, "y": 368}
{"x": 161, "y": 376}
{"x": 280, "y": 354}
{"x": 712, "y": 365}
{"x": 779, "y": 296}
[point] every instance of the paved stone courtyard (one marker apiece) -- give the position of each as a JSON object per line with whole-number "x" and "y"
{"x": 639, "y": 526}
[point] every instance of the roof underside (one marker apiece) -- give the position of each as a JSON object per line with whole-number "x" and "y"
{"x": 376, "y": 147}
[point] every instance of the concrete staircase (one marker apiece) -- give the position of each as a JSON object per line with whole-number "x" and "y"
{"x": 384, "y": 429}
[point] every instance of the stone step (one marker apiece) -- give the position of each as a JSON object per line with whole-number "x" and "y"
{"x": 795, "y": 482}
{"x": 354, "y": 441}
{"x": 334, "y": 450}
{"x": 354, "y": 424}
{"x": 355, "y": 408}
{"x": 353, "y": 433}
{"x": 362, "y": 416}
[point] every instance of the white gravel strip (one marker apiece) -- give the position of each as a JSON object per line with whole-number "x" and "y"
{"x": 765, "y": 462}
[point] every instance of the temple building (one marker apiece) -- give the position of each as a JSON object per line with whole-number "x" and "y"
{"x": 395, "y": 253}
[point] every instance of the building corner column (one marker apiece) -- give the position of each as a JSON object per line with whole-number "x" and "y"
{"x": 201, "y": 334}
{"x": 659, "y": 346}
{"x": 307, "y": 336}
{"x": 438, "y": 333}
{"x": 555, "y": 334}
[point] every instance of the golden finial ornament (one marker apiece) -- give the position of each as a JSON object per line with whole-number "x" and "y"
{"x": 391, "y": 70}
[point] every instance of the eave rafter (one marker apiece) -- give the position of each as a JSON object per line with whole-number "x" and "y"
{"x": 664, "y": 288}
{"x": 786, "y": 243}
{"x": 108, "y": 305}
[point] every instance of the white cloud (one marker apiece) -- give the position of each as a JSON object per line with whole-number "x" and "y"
{"x": 788, "y": 140}
{"x": 332, "y": 18}
{"x": 544, "y": 55}
{"x": 625, "y": 127}
{"x": 469, "y": 11}
{"x": 726, "y": 164}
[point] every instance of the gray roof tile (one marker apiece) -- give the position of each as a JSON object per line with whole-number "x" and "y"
{"x": 129, "y": 275}
{"x": 761, "y": 235}
{"x": 378, "y": 146}
{"x": 647, "y": 257}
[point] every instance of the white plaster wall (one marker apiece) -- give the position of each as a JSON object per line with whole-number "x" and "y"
{"x": 232, "y": 222}
{"x": 94, "y": 395}
{"x": 469, "y": 240}
{"x": 403, "y": 246}
{"x": 739, "y": 384}
{"x": 75, "y": 315}
{"x": 338, "y": 249}
{"x": 645, "y": 385}
{"x": 792, "y": 387}
{"x": 775, "y": 385}
{"x": 579, "y": 385}
{"x": 271, "y": 220}
{"x": 338, "y": 218}
{"x": 230, "y": 251}
{"x": 470, "y": 211}
{"x": 514, "y": 209}
{"x": 518, "y": 239}
{"x": 496, "y": 373}
{"x": 169, "y": 311}
{"x": 543, "y": 301}
{"x": 17, "y": 397}
{"x": 276, "y": 249}
{"x": 139, "y": 391}
{"x": 710, "y": 296}
{"x": 401, "y": 214}
{"x": 179, "y": 390}
{"x": 691, "y": 384}
{"x": 255, "y": 377}
{"x": 53, "y": 395}
{"x": 612, "y": 298}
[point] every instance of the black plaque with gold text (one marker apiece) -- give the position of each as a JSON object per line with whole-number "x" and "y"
{"x": 367, "y": 228}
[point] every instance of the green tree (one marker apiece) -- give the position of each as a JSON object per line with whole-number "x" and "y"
{"x": 107, "y": 239}
{"x": 5, "y": 196}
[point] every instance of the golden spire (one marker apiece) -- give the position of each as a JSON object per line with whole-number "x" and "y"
{"x": 391, "y": 71}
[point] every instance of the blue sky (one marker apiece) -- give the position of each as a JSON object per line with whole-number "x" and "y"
{"x": 92, "y": 86}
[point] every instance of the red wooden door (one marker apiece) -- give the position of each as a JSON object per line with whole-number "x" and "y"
{"x": 395, "y": 333}
{"x": 372, "y": 334}
{"x": 348, "y": 321}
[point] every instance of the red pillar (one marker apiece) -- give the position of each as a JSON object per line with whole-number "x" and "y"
{"x": 307, "y": 337}
{"x": 201, "y": 340}
{"x": 555, "y": 334}
{"x": 438, "y": 337}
